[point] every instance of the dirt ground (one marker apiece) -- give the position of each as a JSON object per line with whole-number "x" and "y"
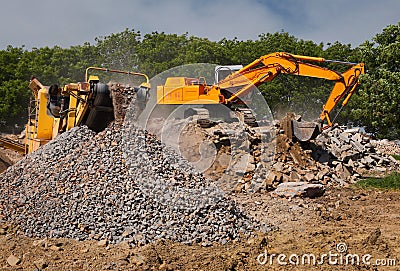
{"x": 364, "y": 221}
{"x": 347, "y": 228}
{"x": 7, "y": 158}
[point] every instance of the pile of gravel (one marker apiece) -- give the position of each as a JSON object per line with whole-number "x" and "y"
{"x": 120, "y": 185}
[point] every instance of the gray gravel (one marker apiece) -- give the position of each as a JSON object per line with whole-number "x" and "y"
{"x": 120, "y": 185}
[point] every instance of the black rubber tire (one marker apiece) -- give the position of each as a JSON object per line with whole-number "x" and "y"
{"x": 102, "y": 95}
{"x": 102, "y": 112}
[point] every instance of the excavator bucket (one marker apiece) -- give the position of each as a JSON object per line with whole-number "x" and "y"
{"x": 304, "y": 130}
{"x": 294, "y": 127}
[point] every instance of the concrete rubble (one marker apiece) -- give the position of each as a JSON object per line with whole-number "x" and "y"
{"x": 299, "y": 189}
{"x": 337, "y": 157}
{"x": 13, "y": 260}
{"x": 351, "y": 151}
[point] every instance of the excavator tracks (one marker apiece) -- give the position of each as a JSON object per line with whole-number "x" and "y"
{"x": 246, "y": 115}
{"x": 201, "y": 115}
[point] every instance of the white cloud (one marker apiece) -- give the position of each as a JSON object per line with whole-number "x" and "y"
{"x": 346, "y": 21}
{"x": 73, "y": 22}
{"x": 212, "y": 19}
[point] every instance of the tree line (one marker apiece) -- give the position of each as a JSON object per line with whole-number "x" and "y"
{"x": 375, "y": 106}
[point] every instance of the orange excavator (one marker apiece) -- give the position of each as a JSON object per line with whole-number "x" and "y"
{"x": 236, "y": 89}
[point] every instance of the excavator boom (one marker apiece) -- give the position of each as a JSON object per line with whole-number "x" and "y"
{"x": 266, "y": 68}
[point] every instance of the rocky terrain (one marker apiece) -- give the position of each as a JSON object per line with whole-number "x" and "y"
{"x": 123, "y": 200}
{"x": 338, "y": 157}
{"x": 8, "y": 156}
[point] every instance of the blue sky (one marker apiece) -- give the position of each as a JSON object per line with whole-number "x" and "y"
{"x": 72, "y": 22}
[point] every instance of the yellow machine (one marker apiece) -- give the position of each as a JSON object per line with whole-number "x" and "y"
{"x": 237, "y": 87}
{"x": 55, "y": 110}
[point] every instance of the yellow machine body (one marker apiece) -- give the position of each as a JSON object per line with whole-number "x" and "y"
{"x": 180, "y": 90}
{"x": 42, "y": 126}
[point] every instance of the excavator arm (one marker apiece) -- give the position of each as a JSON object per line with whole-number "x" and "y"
{"x": 342, "y": 89}
{"x": 267, "y": 67}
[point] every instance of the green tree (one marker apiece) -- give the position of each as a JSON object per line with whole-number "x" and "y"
{"x": 56, "y": 65}
{"x": 377, "y": 104}
{"x": 202, "y": 50}
{"x": 37, "y": 62}
{"x": 13, "y": 103}
{"x": 70, "y": 64}
{"x": 9, "y": 60}
{"x": 119, "y": 51}
{"x": 159, "y": 52}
